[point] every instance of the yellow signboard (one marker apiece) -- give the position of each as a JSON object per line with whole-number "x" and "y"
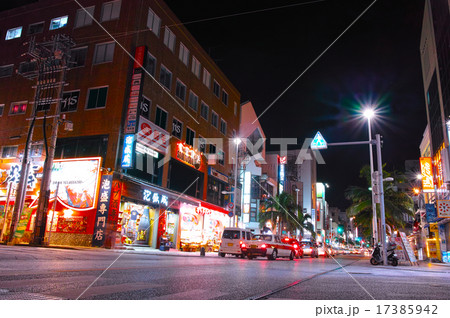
{"x": 426, "y": 168}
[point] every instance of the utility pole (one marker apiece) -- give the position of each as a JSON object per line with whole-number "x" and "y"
{"x": 51, "y": 65}
{"x": 381, "y": 193}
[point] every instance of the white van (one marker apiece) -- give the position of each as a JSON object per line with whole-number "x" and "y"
{"x": 232, "y": 240}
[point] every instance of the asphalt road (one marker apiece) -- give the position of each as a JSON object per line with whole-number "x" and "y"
{"x": 47, "y": 273}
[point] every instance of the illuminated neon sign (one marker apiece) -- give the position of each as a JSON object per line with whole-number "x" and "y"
{"x": 155, "y": 198}
{"x": 127, "y": 154}
{"x": 427, "y": 174}
{"x": 189, "y": 155}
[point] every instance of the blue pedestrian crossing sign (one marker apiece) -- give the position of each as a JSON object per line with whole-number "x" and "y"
{"x": 318, "y": 142}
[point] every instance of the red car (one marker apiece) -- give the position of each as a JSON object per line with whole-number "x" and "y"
{"x": 296, "y": 245}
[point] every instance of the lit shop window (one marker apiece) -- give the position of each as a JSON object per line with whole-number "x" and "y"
{"x": 58, "y": 23}
{"x": 18, "y": 108}
{"x": 13, "y": 33}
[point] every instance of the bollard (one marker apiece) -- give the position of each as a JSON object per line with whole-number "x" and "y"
{"x": 202, "y": 251}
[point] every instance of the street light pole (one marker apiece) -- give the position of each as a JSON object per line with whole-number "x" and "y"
{"x": 369, "y": 114}
{"x": 237, "y": 141}
{"x": 381, "y": 190}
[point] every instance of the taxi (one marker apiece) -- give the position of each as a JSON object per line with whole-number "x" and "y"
{"x": 268, "y": 245}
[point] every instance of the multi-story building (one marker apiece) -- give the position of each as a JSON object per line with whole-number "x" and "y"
{"x": 143, "y": 96}
{"x": 435, "y": 53}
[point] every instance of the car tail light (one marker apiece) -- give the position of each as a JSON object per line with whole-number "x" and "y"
{"x": 243, "y": 245}
{"x": 263, "y": 246}
{"x": 295, "y": 246}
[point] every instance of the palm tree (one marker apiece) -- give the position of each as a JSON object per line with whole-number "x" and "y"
{"x": 397, "y": 204}
{"x": 283, "y": 208}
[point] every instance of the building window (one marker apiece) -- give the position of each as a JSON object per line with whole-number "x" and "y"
{"x": 161, "y": 117}
{"x": 18, "y": 108}
{"x": 6, "y": 70}
{"x": 35, "y": 28}
{"x": 169, "y": 39}
{"x": 214, "y": 119}
{"x": 177, "y": 128}
{"x": 190, "y": 136}
{"x": 206, "y": 78}
{"x": 180, "y": 90}
{"x": 184, "y": 54}
{"x": 69, "y": 101}
{"x": 153, "y": 22}
{"x": 195, "y": 67}
{"x": 58, "y": 23}
{"x": 36, "y": 150}
{"x": 221, "y": 157}
{"x": 83, "y": 18}
{"x": 193, "y": 101}
{"x": 212, "y": 149}
{"x": 223, "y": 126}
{"x": 78, "y": 57}
{"x": 235, "y": 109}
{"x": 9, "y": 151}
{"x": 165, "y": 77}
{"x": 110, "y": 11}
{"x": 104, "y": 53}
{"x": 150, "y": 64}
{"x": 13, "y": 33}
{"x": 225, "y": 98}
{"x": 26, "y": 67}
{"x": 204, "y": 110}
{"x": 216, "y": 89}
{"x": 201, "y": 144}
{"x": 97, "y": 97}
{"x": 2, "y": 107}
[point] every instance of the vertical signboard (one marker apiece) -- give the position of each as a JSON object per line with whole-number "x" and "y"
{"x": 426, "y": 170}
{"x": 127, "y": 152}
{"x": 137, "y": 80}
{"x": 101, "y": 218}
{"x": 431, "y": 212}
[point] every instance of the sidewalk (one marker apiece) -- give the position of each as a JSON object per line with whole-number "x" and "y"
{"x": 153, "y": 251}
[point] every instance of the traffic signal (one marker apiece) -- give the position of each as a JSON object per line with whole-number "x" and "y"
{"x": 340, "y": 229}
{"x": 327, "y": 241}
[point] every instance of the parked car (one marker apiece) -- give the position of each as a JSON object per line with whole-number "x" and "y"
{"x": 296, "y": 245}
{"x": 310, "y": 249}
{"x": 233, "y": 239}
{"x": 268, "y": 245}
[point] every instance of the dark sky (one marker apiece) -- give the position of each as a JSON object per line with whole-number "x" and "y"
{"x": 377, "y": 60}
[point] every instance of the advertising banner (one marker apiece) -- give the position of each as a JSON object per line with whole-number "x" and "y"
{"x": 431, "y": 212}
{"x": 443, "y": 208}
{"x": 78, "y": 182}
{"x": 426, "y": 168}
{"x": 152, "y": 136}
{"x": 101, "y": 218}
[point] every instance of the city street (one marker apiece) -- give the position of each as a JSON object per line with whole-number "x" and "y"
{"x": 50, "y": 273}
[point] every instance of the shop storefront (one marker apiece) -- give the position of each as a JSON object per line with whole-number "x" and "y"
{"x": 201, "y": 226}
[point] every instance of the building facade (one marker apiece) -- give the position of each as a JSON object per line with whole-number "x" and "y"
{"x": 435, "y": 163}
{"x": 145, "y": 98}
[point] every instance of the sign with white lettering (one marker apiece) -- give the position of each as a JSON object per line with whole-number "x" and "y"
{"x": 127, "y": 152}
{"x": 155, "y": 197}
{"x": 152, "y": 136}
{"x": 98, "y": 238}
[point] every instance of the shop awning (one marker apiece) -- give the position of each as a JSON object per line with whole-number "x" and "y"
{"x": 213, "y": 207}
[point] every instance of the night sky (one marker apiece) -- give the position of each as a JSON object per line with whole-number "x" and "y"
{"x": 376, "y": 61}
